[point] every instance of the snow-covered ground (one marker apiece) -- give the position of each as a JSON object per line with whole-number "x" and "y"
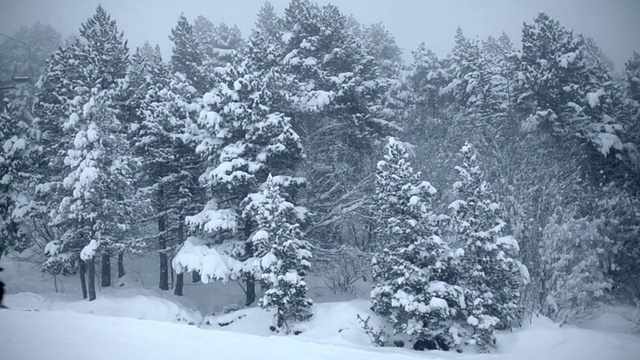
{"x": 149, "y": 327}
{"x": 133, "y": 320}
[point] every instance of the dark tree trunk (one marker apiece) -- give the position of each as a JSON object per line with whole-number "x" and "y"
{"x": 179, "y": 284}
{"x": 195, "y": 277}
{"x": 106, "y": 270}
{"x": 162, "y": 248}
{"x": 180, "y": 277}
{"x": 250, "y": 281}
{"x": 91, "y": 274}
{"x": 172, "y": 278}
{"x": 251, "y": 290}
{"x": 120, "y": 265}
{"x": 83, "y": 279}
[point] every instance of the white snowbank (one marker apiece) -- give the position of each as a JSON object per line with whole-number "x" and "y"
{"x": 543, "y": 339}
{"x": 142, "y": 307}
{"x": 56, "y": 335}
{"x": 332, "y": 333}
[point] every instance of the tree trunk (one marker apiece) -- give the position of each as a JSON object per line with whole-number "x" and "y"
{"x": 179, "y": 284}
{"x": 172, "y": 278}
{"x": 106, "y": 270}
{"x": 91, "y": 274}
{"x": 83, "y": 280}
{"x": 180, "y": 277}
{"x": 162, "y": 248}
{"x": 195, "y": 277}
{"x": 251, "y": 290}
{"x": 250, "y": 281}
{"x": 120, "y": 265}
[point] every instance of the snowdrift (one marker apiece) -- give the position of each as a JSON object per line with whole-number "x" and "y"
{"x": 60, "y": 329}
{"x": 136, "y": 306}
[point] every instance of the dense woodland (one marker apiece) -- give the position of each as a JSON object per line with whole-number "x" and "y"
{"x": 470, "y": 190}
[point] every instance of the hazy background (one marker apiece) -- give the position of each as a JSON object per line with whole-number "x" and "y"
{"x": 614, "y": 24}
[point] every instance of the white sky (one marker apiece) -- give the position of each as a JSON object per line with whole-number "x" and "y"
{"x": 614, "y": 24}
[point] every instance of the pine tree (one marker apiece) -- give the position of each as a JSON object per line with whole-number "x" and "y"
{"x": 632, "y": 72}
{"x": 24, "y": 54}
{"x": 285, "y": 254}
{"x": 218, "y": 44}
{"x": 106, "y": 51}
{"x": 414, "y": 267}
{"x": 85, "y": 142}
{"x": 15, "y": 135}
{"x": 499, "y": 55}
{"x": 380, "y": 44}
{"x": 244, "y": 142}
{"x": 425, "y": 79}
{"x": 107, "y": 61}
{"x": 187, "y": 57}
{"x": 492, "y": 276}
{"x": 566, "y": 91}
{"x": 266, "y": 42}
{"x": 336, "y": 97}
{"x": 466, "y": 68}
{"x": 54, "y": 93}
{"x": 164, "y": 144}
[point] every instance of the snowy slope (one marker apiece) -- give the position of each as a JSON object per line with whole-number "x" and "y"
{"x": 75, "y": 333}
{"x": 67, "y": 335}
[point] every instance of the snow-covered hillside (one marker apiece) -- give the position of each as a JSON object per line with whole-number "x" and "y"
{"x": 111, "y": 328}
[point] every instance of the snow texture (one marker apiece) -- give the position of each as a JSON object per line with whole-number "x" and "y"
{"x": 89, "y": 251}
{"x": 208, "y": 261}
{"x": 331, "y": 334}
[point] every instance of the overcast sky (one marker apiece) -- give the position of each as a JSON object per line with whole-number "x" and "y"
{"x": 614, "y": 24}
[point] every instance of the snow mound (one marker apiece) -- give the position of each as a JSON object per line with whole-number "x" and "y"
{"x": 334, "y": 323}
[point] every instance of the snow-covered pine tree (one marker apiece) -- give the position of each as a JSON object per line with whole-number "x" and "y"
{"x": 266, "y": 39}
{"x": 414, "y": 268}
{"x": 466, "y": 69}
{"x": 54, "y": 93}
{"x": 89, "y": 195}
{"x": 164, "y": 143}
{"x": 244, "y": 142}
{"x": 26, "y": 53}
{"x": 566, "y": 91}
{"x": 632, "y": 72}
{"x": 229, "y": 43}
{"x": 425, "y": 79}
{"x": 187, "y": 57}
{"x": 107, "y": 60}
{"x": 498, "y": 55}
{"x": 491, "y": 274}
{"x": 15, "y": 137}
{"x": 335, "y": 97}
{"x": 380, "y": 44}
{"x": 284, "y": 254}
{"x": 218, "y": 44}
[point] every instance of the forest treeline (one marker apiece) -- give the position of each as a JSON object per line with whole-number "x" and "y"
{"x": 469, "y": 189}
